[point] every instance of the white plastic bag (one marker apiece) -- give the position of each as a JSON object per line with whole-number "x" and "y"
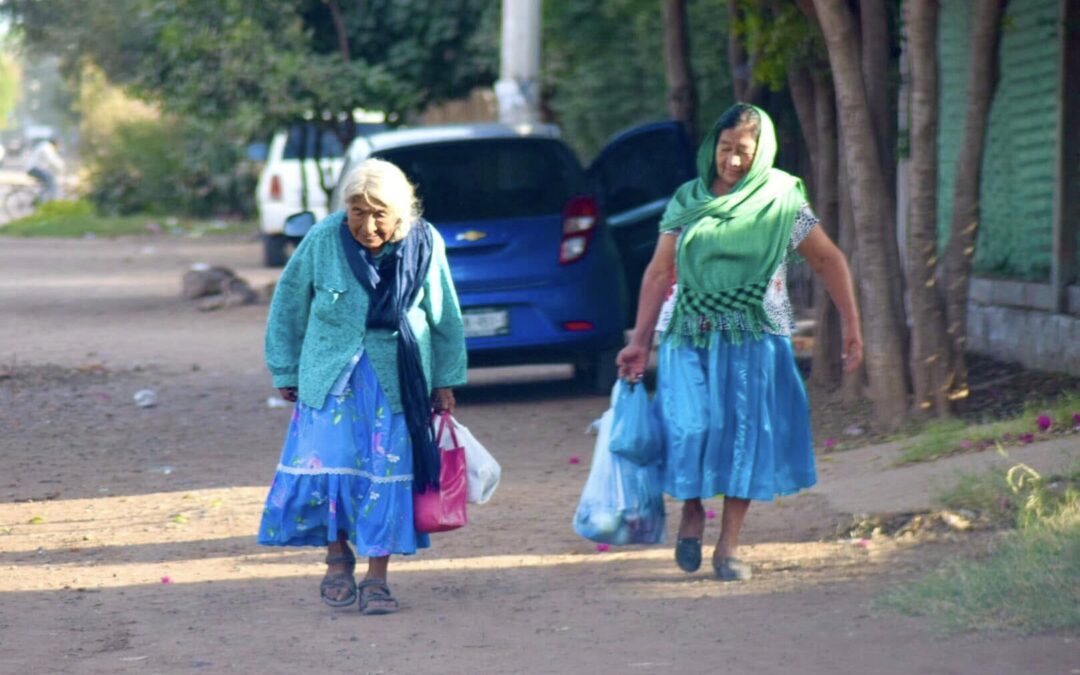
{"x": 483, "y": 472}
{"x": 622, "y": 502}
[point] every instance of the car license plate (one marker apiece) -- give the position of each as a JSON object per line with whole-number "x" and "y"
{"x": 486, "y": 322}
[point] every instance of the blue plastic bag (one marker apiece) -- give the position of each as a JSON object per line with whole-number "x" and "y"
{"x": 635, "y": 432}
{"x": 622, "y": 502}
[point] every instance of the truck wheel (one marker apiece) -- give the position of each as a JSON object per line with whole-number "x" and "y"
{"x": 597, "y": 373}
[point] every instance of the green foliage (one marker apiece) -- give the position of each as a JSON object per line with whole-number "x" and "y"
{"x": 137, "y": 169}
{"x": 604, "y": 70}
{"x": 63, "y": 208}
{"x": 247, "y": 64}
{"x": 780, "y": 37}
{"x": 941, "y": 438}
{"x": 167, "y": 166}
{"x": 79, "y": 218}
{"x": 9, "y": 89}
{"x": 227, "y": 72}
{"x": 985, "y": 493}
{"x": 1028, "y": 584}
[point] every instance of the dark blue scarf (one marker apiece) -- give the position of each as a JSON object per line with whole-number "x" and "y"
{"x": 393, "y": 283}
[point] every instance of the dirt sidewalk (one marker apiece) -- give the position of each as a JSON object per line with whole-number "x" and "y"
{"x": 127, "y": 534}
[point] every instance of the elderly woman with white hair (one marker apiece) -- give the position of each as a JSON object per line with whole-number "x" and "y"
{"x": 365, "y": 335}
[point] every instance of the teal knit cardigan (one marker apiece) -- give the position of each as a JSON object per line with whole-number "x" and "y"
{"x": 318, "y": 315}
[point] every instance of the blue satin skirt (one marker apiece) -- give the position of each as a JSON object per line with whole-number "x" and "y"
{"x": 736, "y": 420}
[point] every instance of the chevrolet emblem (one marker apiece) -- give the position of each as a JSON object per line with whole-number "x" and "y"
{"x": 471, "y": 235}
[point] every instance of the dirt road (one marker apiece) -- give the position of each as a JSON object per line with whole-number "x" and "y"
{"x": 127, "y": 534}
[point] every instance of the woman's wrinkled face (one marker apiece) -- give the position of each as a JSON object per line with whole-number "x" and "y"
{"x": 372, "y": 223}
{"x": 734, "y": 154}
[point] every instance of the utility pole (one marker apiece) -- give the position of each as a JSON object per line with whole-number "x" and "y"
{"x": 518, "y": 88}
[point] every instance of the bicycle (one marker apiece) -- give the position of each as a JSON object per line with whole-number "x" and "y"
{"x": 21, "y": 200}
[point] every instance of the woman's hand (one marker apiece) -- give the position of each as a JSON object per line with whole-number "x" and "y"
{"x": 442, "y": 400}
{"x": 655, "y": 284}
{"x": 853, "y": 348}
{"x": 632, "y": 361}
{"x": 288, "y": 393}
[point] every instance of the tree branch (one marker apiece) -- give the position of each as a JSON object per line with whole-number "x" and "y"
{"x": 339, "y": 28}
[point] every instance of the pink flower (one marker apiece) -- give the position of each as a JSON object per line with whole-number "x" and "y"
{"x": 863, "y": 543}
{"x": 603, "y": 548}
{"x": 1044, "y": 422}
{"x": 830, "y": 443}
{"x": 1076, "y": 419}
{"x": 574, "y": 459}
{"x": 710, "y": 514}
{"x": 965, "y": 444}
{"x": 1026, "y": 438}
{"x": 166, "y": 579}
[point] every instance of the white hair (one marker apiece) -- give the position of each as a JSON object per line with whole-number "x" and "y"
{"x": 382, "y": 182}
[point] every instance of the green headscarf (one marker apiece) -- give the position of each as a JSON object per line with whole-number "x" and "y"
{"x": 733, "y": 244}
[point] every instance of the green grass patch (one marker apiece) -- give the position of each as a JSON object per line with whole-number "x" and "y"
{"x": 1030, "y": 582}
{"x": 941, "y": 438}
{"x": 985, "y": 493}
{"x": 79, "y": 219}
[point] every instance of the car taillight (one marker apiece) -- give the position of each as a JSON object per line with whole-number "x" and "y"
{"x": 578, "y": 326}
{"x": 275, "y": 187}
{"x": 579, "y": 225}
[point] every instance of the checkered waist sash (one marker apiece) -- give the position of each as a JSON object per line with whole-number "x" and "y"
{"x": 739, "y": 311}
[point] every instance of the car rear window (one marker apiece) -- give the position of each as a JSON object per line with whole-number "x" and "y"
{"x": 487, "y": 179}
{"x": 331, "y": 145}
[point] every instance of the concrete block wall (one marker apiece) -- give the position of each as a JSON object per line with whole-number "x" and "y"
{"x": 1035, "y": 338}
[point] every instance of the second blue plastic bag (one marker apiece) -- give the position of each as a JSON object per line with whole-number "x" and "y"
{"x": 622, "y": 502}
{"x": 635, "y": 432}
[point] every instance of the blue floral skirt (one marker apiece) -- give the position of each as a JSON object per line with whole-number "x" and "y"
{"x": 736, "y": 420}
{"x": 345, "y": 467}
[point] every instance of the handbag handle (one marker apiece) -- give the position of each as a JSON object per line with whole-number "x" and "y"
{"x": 445, "y": 422}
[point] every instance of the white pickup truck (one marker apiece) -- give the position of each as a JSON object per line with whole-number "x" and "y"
{"x": 281, "y": 188}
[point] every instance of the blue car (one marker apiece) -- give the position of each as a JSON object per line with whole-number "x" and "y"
{"x": 546, "y": 255}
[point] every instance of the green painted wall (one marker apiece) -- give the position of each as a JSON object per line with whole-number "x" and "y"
{"x": 1018, "y": 165}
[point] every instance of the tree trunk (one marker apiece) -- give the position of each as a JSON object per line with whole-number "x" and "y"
{"x": 884, "y": 353}
{"x": 825, "y": 370}
{"x": 853, "y": 384}
{"x": 879, "y": 74}
{"x": 878, "y": 78}
{"x": 345, "y": 132}
{"x": 930, "y": 357}
{"x": 833, "y": 207}
{"x": 682, "y": 98}
{"x": 801, "y": 86}
{"x": 742, "y": 66}
{"x": 815, "y": 106}
{"x": 982, "y": 82}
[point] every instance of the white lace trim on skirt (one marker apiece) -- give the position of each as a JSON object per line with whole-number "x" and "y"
{"x": 331, "y": 471}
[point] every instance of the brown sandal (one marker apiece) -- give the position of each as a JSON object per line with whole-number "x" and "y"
{"x": 377, "y": 592}
{"x": 334, "y": 582}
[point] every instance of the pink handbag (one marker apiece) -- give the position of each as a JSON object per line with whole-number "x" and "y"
{"x": 444, "y": 509}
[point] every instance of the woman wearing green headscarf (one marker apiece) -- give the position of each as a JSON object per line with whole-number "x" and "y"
{"x": 734, "y": 409}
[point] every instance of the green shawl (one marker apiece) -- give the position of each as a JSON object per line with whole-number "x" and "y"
{"x": 732, "y": 245}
